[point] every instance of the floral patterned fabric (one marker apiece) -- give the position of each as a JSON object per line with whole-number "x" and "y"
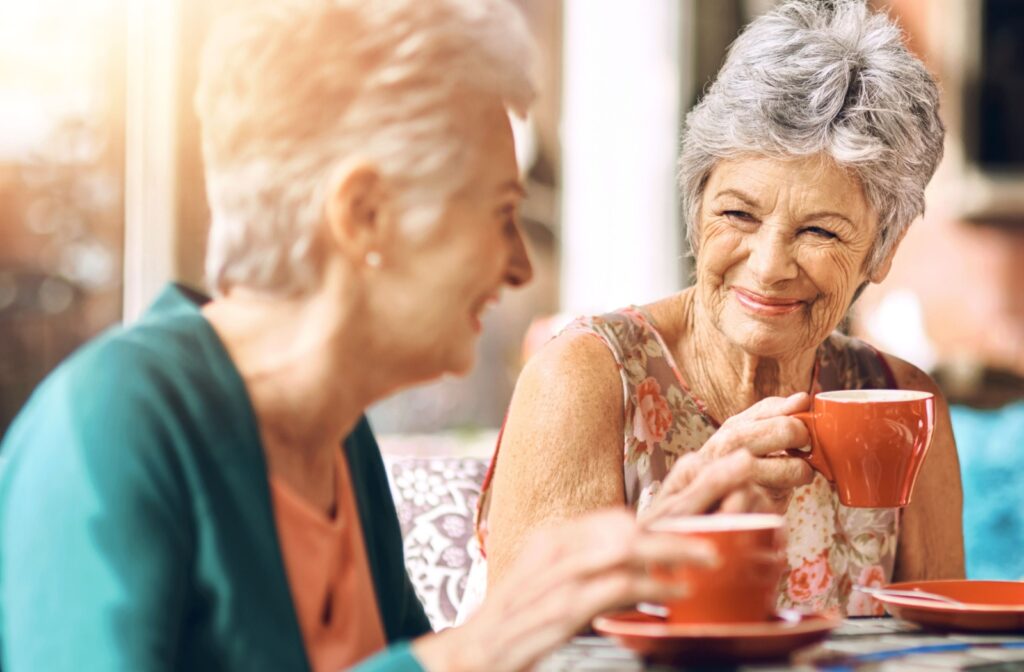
{"x": 435, "y": 499}
{"x": 831, "y": 547}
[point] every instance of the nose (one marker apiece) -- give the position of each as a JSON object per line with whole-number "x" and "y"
{"x": 519, "y": 270}
{"x": 771, "y": 257}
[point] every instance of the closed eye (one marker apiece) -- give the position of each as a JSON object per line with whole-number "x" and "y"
{"x": 823, "y": 233}
{"x": 739, "y": 214}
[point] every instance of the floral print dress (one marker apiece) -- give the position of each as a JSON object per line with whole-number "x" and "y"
{"x": 831, "y": 547}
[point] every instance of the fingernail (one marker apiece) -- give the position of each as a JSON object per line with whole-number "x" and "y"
{"x": 805, "y": 449}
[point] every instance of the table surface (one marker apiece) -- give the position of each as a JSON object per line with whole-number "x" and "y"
{"x": 859, "y": 644}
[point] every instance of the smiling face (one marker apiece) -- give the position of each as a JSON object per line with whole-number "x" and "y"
{"x": 438, "y": 283}
{"x": 783, "y": 246}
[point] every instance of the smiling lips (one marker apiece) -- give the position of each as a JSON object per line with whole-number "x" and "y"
{"x": 766, "y": 305}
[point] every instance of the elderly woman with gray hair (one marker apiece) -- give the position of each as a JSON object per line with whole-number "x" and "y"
{"x": 200, "y": 490}
{"x": 801, "y": 170}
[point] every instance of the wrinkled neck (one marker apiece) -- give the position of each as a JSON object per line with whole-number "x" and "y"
{"x": 728, "y": 378}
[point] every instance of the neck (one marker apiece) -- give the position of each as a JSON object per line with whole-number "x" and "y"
{"x": 305, "y": 368}
{"x": 728, "y": 378}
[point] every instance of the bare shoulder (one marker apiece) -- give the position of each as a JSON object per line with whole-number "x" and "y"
{"x": 576, "y": 365}
{"x": 563, "y": 434}
{"x": 910, "y": 377}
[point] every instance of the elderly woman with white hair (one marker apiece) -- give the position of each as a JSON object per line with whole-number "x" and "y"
{"x": 801, "y": 170}
{"x": 200, "y": 490}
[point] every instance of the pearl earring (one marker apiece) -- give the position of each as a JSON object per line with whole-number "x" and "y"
{"x": 373, "y": 259}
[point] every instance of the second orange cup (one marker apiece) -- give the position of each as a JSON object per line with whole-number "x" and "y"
{"x": 743, "y": 587}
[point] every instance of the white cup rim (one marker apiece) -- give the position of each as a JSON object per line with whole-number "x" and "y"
{"x": 720, "y": 522}
{"x": 886, "y": 396}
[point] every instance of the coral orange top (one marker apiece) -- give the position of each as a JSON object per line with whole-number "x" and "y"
{"x": 329, "y": 575}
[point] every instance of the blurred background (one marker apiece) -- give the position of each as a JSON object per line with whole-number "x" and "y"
{"x": 102, "y": 201}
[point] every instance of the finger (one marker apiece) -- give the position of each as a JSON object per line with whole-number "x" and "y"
{"x": 667, "y": 548}
{"x": 642, "y": 551}
{"x": 600, "y": 543}
{"x": 782, "y": 473}
{"x": 717, "y": 480}
{"x": 749, "y": 500}
{"x": 683, "y": 472}
{"x": 630, "y": 548}
{"x": 622, "y": 590}
{"x": 737, "y": 502}
{"x": 768, "y": 436}
{"x": 764, "y": 502}
{"x": 775, "y": 406}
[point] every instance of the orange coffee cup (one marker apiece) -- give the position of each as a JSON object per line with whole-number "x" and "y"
{"x": 743, "y": 586}
{"x": 870, "y": 443}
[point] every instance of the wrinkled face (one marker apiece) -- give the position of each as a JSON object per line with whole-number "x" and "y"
{"x": 783, "y": 246}
{"x": 448, "y": 276}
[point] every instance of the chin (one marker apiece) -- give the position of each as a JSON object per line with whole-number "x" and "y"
{"x": 762, "y": 341}
{"x": 461, "y": 359}
{"x": 461, "y": 367}
{"x": 763, "y": 338}
{"x": 430, "y": 366}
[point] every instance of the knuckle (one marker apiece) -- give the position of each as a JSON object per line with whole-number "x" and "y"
{"x": 731, "y": 440}
{"x": 743, "y": 462}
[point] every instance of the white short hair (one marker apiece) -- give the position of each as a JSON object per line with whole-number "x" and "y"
{"x": 290, "y": 90}
{"x": 822, "y": 77}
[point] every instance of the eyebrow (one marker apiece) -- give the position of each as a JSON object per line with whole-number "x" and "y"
{"x": 828, "y": 215}
{"x": 747, "y": 198}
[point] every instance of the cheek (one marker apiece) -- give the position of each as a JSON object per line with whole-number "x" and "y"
{"x": 720, "y": 250}
{"x": 837, "y": 277}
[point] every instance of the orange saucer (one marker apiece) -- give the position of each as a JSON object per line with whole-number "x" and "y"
{"x": 657, "y": 639}
{"x": 988, "y": 606}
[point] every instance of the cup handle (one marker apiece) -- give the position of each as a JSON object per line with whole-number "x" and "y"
{"x": 814, "y": 457}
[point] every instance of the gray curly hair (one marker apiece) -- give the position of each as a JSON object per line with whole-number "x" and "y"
{"x": 289, "y": 90}
{"x": 822, "y": 77}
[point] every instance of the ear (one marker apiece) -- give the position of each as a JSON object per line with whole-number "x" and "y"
{"x": 879, "y": 274}
{"x": 354, "y": 209}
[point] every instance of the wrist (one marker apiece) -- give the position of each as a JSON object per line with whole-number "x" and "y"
{"x": 448, "y": 651}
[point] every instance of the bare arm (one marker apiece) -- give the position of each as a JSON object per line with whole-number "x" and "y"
{"x": 931, "y": 542}
{"x": 561, "y": 451}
